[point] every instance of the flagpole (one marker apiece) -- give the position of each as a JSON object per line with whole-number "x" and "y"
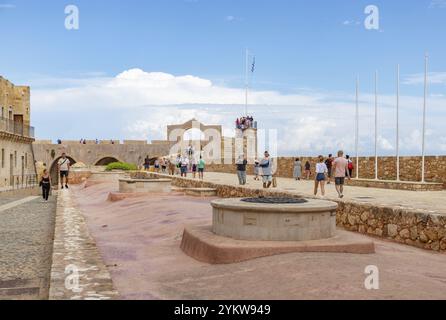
{"x": 398, "y": 124}
{"x": 423, "y": 167}
{"x": 357, "y": 128}
{"x": 376, "y": 125}
{"x": 246, "y": 82}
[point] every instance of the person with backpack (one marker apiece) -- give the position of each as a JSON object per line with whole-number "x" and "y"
{"x": 350, "y": 166}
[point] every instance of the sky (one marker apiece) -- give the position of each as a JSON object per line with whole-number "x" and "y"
{"x": 135, "y": 66}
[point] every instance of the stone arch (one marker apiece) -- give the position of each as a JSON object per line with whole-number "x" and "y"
{"x": 104, "y": 161}
{"x": 54, "y": 173}
{"x": 177, "y": 133}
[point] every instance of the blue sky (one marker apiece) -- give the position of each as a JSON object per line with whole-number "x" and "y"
{"x": 308, "y": 54}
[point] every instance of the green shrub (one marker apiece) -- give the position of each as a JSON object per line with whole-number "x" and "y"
{"x": 121, "y": 166}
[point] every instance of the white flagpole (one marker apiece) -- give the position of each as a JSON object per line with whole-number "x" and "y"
{"x": 398, "y": 124}
{"x": 376, "y": 125}
{"x": 423, "y": 167}
{"x": 246, "y": 82}
{"x": 357, "y": 128}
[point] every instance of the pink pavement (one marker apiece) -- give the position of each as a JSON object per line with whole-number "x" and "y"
{"x": 139, "y": 239}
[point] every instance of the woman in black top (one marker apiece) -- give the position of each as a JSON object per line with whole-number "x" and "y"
{"x": 45, "y": 183}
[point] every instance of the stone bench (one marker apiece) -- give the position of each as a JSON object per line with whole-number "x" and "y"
{"x": 145, "y": 185}
{"x": 201, "y": 192}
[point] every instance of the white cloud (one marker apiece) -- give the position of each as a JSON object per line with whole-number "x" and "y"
{"x": 7, "y": 6}
{"x": 437, "y": 4}
{"x": 433, "y": 77}
{"x": 308, "y": 122}
{"x": 136, "y": 87}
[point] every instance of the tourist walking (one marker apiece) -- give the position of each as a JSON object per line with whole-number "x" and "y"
{"x": 172, "y": 167}
{"x": 267, "y": 170}
{"x": 194, "y": 167}
{"x": 184, "y": 165}
{"x": 147, "y": 163}
{"x": 329, "y": 164}
{"x": 340, "y": 167}
{"x": 64, "y": 170}
{"x": 297, "y": 169}
{"x": 45, "y": 183}
{"x": 163, "y": 165}
{"x": 157, "y": 165}
{"x": 307, "y": 170}
{"x": 201, "y": 166}
{"x": 321, "y": 175}
{"x": 241, "y": 170}
{"x": 256, "y": 170}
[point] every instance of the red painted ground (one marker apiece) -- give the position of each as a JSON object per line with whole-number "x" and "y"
{"x": 139, "y": 239}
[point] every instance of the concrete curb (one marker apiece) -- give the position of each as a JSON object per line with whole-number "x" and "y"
{"x": 78, "y": 271}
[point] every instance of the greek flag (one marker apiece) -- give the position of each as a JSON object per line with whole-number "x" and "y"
{"x": 253, "y": 67}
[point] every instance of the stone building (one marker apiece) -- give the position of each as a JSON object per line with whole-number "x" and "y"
{"x": 17, "y": 167}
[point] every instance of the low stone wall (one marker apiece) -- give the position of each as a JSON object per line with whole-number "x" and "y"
{"x": 410, "y": 168}
{"x": 395, "y": 185}
{"x": 78, "y": 177}
{"x": 411, "y": 227}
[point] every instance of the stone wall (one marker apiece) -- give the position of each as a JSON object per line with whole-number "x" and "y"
{"x": 411, "y": 227}
{"x": 410, "y": 168}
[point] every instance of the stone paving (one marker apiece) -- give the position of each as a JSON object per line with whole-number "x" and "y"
{"x": 78, "y": 272}
{"x": 26, "y": 238}
{"x": 139, "y": 239}
{"x": 429, "y": 201}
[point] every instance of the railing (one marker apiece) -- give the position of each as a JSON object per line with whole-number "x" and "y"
{"x": 17, "y": 128}
{"x": 24, "y": 181}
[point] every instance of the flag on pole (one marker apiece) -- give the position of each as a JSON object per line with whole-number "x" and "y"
{"x": 253, "y": 67}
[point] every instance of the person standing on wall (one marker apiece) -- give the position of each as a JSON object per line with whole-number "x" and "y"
{"x": 64, "y": 169}
{"x": 267, "y": 170}
{"x": 241, "y": 170}
{"x": 340, "y": 167}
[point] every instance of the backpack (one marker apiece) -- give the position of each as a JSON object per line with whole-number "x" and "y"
{"x": 350, "y": 165}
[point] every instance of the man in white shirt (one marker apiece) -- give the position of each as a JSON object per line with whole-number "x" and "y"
{"x": 64, "y": 169}
{"x": 184, "y": 166}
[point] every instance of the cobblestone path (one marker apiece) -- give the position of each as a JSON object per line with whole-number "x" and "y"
{"x": 26, "y": 242}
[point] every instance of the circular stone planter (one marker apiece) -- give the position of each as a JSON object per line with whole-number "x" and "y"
{"x": 145, "y": 185}
{"x": 240, "y": 220}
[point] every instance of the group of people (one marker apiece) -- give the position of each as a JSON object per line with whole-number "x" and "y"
{"x": 181, "y": 165}
{"x": 244, "y": 123}
{"x": 338, "y": 168}
{"x": 262, "y": 168}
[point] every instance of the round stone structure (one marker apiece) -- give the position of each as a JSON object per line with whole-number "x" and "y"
{"x": 303, "y": 220}
{"x": 145, "y": 185}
